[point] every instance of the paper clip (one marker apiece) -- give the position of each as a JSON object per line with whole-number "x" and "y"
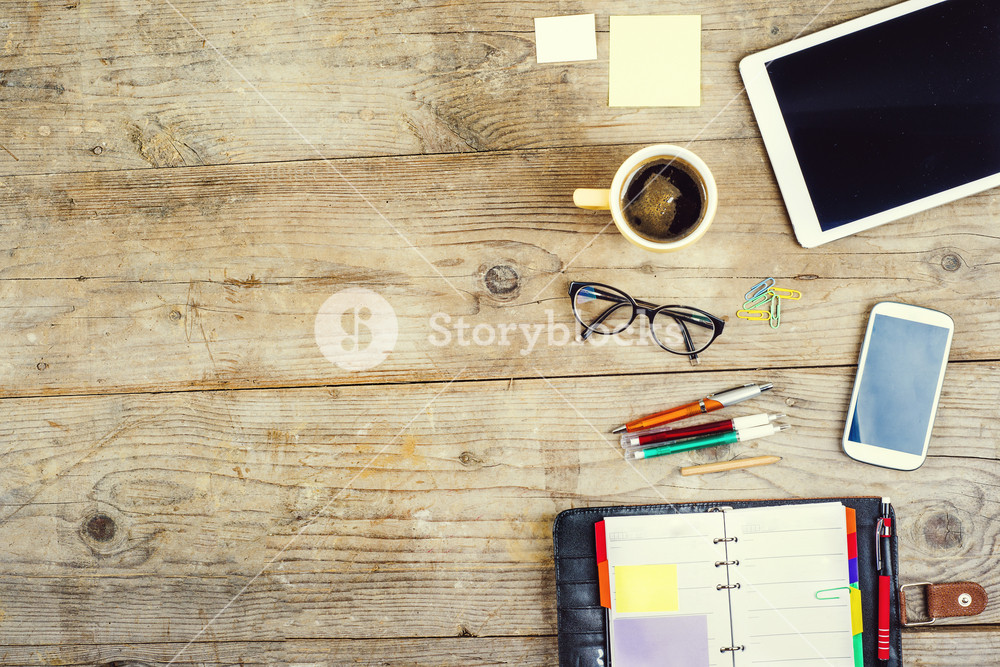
{"x": 775, "y": 313}
{"x": 830, "y": 590}
{"x": 745, "y": 314}
{"x": 759, "y": 288}
{"x": 790, "y": 294}
{"x": 758, "y": 300}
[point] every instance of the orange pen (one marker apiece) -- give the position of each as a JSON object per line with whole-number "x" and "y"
{"x": 710, "y": 403}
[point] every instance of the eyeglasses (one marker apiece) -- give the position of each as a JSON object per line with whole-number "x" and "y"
{"x": 680, "y": 330}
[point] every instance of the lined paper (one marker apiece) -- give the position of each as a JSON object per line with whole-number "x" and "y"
{"x": 786, "y": 555}
{"x": 685, "y": 541}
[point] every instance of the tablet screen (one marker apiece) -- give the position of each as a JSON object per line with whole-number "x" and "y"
{"x": 895, "y": 112}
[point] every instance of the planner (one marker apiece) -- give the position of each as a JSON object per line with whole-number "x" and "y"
{"x": 719, "y": 584}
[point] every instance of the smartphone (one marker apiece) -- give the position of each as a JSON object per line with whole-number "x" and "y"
{"x": 896, "y": 391}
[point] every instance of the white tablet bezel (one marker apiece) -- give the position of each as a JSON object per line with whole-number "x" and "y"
{"x": 779, "y": 145}
{"x": 882, "y": 456}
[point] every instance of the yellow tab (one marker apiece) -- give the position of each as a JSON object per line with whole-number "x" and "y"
{"x": 855, "y": 611}
{"x": 645, "y": 588}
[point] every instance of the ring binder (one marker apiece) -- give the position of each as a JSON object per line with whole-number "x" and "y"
{"x": 589, "y": 639}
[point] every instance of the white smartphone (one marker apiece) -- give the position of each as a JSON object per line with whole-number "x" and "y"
{"x": 896, "y": 391}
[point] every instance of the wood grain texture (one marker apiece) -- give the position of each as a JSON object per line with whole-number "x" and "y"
{"x": 103, "y": 85}
{"x": 361, "y": 513}
{"x": 212, "y": 277}
{"x": 941, "y": 647}
{"x": 186, "y": 480}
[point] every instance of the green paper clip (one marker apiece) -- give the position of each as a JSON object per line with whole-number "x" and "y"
{"x": 745, "y": 314}
{"x": 775, "y": 313}
{"x": 758, "y": 300}
{"x": 830, "y": 590}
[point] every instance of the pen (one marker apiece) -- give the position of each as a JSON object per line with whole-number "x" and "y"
{"x": 735, "y": 464}
{"x": 713, "y": 440}
{"x": 710, "y": 403}
{"x": 659, "y": 434}
{"x": 883, "y": 533}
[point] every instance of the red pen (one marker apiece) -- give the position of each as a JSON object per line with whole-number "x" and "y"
{"x": 883, "y": 531}
{"x": 659, "y": 434}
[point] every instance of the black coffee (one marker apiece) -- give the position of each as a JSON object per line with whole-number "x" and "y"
{"x": 664, "y": 200}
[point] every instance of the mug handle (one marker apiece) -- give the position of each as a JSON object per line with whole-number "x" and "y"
{"x": 593, "y": 200}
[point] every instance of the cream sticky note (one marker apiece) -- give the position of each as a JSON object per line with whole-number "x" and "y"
{"x": 655, "y": 61}
{"x": 565, "y": 38}
{"x": 645, "y": 588}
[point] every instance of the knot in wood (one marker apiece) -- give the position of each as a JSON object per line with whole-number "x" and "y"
{"x": 943, "y": 530}
{"x": 502, "y": 281}
{"x": 951, "y": 262}
{"x": 100, "y": 528}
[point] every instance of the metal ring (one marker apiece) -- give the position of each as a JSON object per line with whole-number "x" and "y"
{"x": 722, "y": 586}
{"x": 725, "y": 539}
{"x": 720, "y": 563}
{"x": 731, "y": 648}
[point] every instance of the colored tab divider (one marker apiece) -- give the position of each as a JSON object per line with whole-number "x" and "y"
{"x": 852, "y": 567}
{"x": 603, "y": 576}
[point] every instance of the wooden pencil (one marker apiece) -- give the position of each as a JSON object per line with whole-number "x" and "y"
{"x": 735, "y": 464}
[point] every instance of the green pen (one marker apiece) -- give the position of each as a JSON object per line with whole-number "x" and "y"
{"x": 713, "y": 440}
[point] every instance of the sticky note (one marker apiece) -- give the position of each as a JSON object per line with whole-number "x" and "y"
{"x": 664, "y": 641}
{"x": 645, "y": 588}
{"x": 565, "y": 38}
{"x": 655, "y": 61}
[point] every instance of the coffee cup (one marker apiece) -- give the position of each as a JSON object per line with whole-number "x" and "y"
{"x": 662, "y": 198}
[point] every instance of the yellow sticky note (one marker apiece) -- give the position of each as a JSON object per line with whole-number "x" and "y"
{"x": 645, "y": 588}
{"x": 655, "y": 61}
{"x": 855, "y": 611}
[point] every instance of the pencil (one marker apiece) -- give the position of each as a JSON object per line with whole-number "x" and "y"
{"x": 735, "y": 464}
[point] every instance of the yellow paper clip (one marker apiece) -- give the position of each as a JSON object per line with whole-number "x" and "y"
{"x": 790, "y": 294}
{"x": 775, "y": 313}
{"x": 762, "y": 315}
{"x": 758, "y": 300}
{"x": 759, "y": 288}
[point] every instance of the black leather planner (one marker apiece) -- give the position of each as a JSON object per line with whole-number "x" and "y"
{"x": 583, "y": 632}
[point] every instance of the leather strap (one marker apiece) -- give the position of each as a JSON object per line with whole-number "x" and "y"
{"x": 959, "y": 598}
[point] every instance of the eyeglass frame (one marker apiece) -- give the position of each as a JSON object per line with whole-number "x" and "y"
{"x": 650, "y": 310}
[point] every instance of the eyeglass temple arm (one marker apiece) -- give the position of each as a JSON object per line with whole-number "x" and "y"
{"x": 589, "y": 329}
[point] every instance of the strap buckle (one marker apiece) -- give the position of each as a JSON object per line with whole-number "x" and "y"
{"x": 902, "y": 606}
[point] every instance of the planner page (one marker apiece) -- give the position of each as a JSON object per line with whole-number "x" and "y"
{"x": 793, "y": 604}
{"x": 666, "y": 609}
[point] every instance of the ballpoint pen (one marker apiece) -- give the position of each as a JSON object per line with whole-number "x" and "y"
{"x": 659, "y": 434}
{"x": 883, "y": 533}
{"x": 713, "y": 440}
{"x": 710, "y": 403}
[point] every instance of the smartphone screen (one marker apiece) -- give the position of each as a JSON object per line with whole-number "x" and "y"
{"x": 898, "y": 385}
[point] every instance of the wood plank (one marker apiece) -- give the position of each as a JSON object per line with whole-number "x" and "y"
{"x": 471, "y": 651}
{"x": 103, "y": 85}
{"x": 940, "y": 647}
{"x": 213, "y": 276}
{"x": 379, "y": 514}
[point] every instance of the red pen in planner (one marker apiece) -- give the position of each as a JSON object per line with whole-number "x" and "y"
{"x": 883, "y": 533}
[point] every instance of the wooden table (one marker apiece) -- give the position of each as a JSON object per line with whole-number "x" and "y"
{"x": 185, "y": 478}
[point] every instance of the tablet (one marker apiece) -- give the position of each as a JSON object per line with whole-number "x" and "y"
{"x": 883, "y": 116}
